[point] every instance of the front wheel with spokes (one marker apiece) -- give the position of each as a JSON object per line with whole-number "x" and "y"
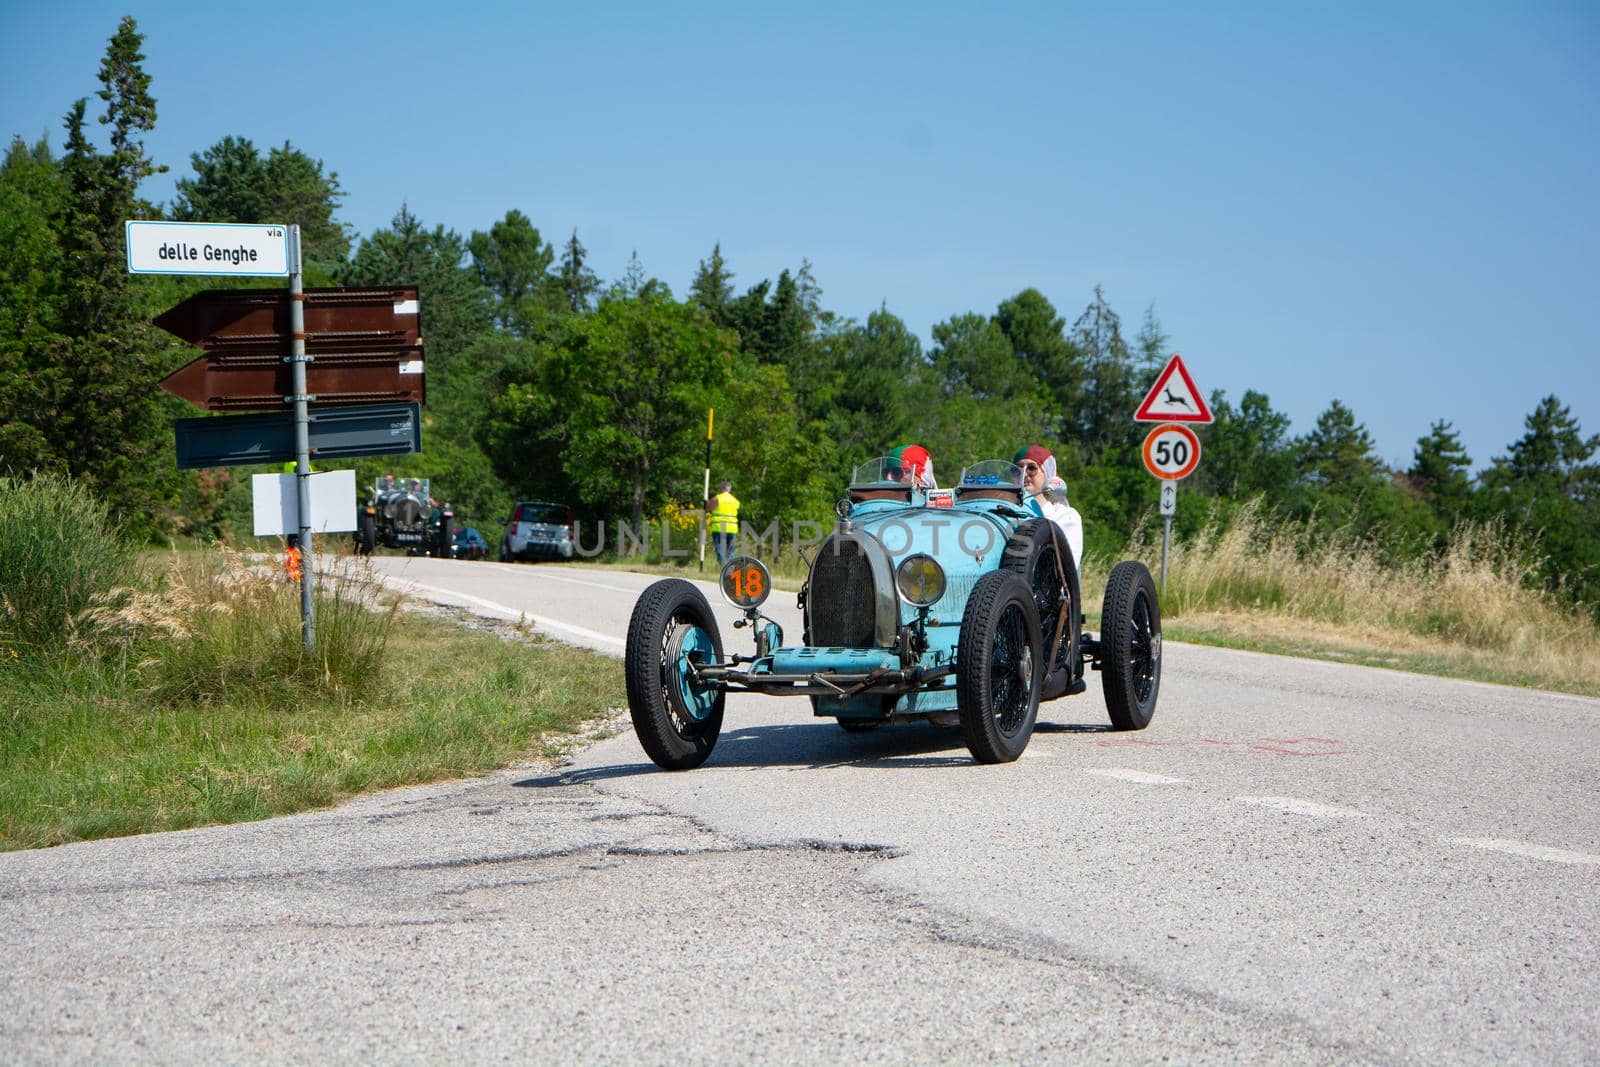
{"x": 999, "y": 668}
{"x": 677, "y": 717}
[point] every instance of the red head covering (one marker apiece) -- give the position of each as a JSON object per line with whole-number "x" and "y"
{"x": 916, "y": 459}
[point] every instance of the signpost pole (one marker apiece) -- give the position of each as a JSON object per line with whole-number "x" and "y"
{"x": 705, "y": 496}
{"x": 1166, "y": 540}
{"x": 302, "y": 439}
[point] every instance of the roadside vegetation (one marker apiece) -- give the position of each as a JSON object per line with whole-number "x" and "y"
{"x": 1474, "y": 606}
{"x": 136, "y": 698}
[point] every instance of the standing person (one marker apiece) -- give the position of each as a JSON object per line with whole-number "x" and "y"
{"x": 722, "y": 516}
{"x": 1045, "y": 495}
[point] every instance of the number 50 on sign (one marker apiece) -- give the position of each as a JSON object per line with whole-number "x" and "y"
{"x": 1171, "y": 451}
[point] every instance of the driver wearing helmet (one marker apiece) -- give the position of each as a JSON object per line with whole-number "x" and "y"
{"x": 1045, "y": 495}
{"x": 915, "y": 466}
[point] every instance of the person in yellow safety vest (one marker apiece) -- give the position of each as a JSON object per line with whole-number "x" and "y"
{"x": 722, "y": 517}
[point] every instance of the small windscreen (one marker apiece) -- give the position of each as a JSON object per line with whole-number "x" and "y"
{"x": 992, "y": 473}
{"x": 885, "y": 472}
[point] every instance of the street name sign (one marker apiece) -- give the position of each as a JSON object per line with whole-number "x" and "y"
{"x": 1171, "y": 451}
{"x": 1174, "y": 397}
{"x": 237, "y": 249}
{"x": 335, "y": 433}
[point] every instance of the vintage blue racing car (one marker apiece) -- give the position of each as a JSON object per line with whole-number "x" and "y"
{"x": 956, "y": 605}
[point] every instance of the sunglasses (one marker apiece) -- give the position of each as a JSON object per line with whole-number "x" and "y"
{"x": 1030, "y": 468}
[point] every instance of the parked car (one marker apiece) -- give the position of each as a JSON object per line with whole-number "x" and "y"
{"x": 538, "y": 529}
{"x": 469, "y": 544}
{"x": 954, "y": 605}
{"x": 403, "y": 515}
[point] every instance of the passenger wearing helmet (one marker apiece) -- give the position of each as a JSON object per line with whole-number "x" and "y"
{"x": 1045, "y": 494}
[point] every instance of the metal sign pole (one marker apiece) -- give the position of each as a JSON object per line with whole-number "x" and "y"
{"x": 1166, "y": 539}
{"x": 302, "y": 439}
{"x": 705, "y": 496}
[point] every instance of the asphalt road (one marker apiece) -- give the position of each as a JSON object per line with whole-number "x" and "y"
{"x": 1296, "y": 862}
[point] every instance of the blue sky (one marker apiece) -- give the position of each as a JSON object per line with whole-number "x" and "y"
{"x": 1397, "y": 205}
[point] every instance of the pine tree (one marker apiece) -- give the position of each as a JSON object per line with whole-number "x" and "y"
{"x": 1338, "y": 451}
{"x": 712, "y": 287}
{"x": 1439, "y": 470}
{"x": 578, "y": 283}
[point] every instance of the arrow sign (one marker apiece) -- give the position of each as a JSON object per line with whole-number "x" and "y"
{"x": 227, "y": 381}
{"x": 257, "y": 320}
{"x": 1174, "y": 397}
{"x": 335, "y": 433}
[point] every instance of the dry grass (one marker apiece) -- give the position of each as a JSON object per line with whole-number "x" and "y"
{"x": 1472, "y": 610}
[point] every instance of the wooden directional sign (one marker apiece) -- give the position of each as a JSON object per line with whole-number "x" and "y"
{"x": 365, "y": 346}
{"x": 335, "y": 433}
{"x": 227, "y": 381}
{"x": 337, "y": 320}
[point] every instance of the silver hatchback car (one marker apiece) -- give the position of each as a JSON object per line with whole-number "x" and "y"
{"x": 538, "y": 529}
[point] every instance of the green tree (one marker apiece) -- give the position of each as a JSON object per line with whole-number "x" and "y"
{"x": 972, "y": 355}
{"x": 1104, "y": 416}
{"x": 1247, "y": 449}
{"x": 1038, "y": 340}
{"x": 578, "y": 283}
{"x": 89, "y": 402}
{"x": 616, "y": 403}
{"x": 232, "y": 182}
{"x": 1439, "y": 471}
{"x": 513, "y": 264}
{"x": 712, "y": 287}
{"x": 1338, "y": 451}
{"x": 1552, "y": 455}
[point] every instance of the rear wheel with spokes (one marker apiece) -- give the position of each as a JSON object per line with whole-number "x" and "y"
{"x": 1130, "y": 646}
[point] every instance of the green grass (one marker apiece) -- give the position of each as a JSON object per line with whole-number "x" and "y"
{"x": 83, "y": 759}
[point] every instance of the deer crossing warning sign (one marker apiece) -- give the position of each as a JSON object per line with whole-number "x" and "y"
{"x": 1174, "y": 397}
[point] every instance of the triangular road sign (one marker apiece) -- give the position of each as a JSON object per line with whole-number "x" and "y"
{"x": 1174, "y": 397}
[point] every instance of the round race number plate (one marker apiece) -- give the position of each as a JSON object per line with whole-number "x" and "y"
{"x": 1171, "y": 451}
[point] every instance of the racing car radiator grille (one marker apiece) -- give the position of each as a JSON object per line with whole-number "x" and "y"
{"x": 841, "y": 597}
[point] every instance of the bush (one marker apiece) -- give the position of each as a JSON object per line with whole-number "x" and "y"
{"x": 216, "y": 628}
{"x": 60, "y": 555}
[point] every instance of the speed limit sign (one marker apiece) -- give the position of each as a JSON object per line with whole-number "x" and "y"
{"x": 1171, "y": 451}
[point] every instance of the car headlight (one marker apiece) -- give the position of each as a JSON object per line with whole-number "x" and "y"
{"x": 920, "y": 580}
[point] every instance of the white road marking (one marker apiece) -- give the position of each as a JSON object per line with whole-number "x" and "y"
{"x": 1296, "y": 806}
{"x": 593, "y": 585}
{"x": 1126, "y": 775}
{"x": 1522, "y": 848}
{"x": 406, "y": 584}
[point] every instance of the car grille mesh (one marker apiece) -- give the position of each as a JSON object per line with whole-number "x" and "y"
{"x": 842, "y": 598}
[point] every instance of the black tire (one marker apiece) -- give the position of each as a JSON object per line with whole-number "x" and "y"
{"x": 1031, "y": 553}
{"x": 366, "y": 535}
{"x": 671, "y": 737}
{"x": 1130, "y": 646}
{"x": 999, "y": 668}
{"x": 445, "y": 547}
